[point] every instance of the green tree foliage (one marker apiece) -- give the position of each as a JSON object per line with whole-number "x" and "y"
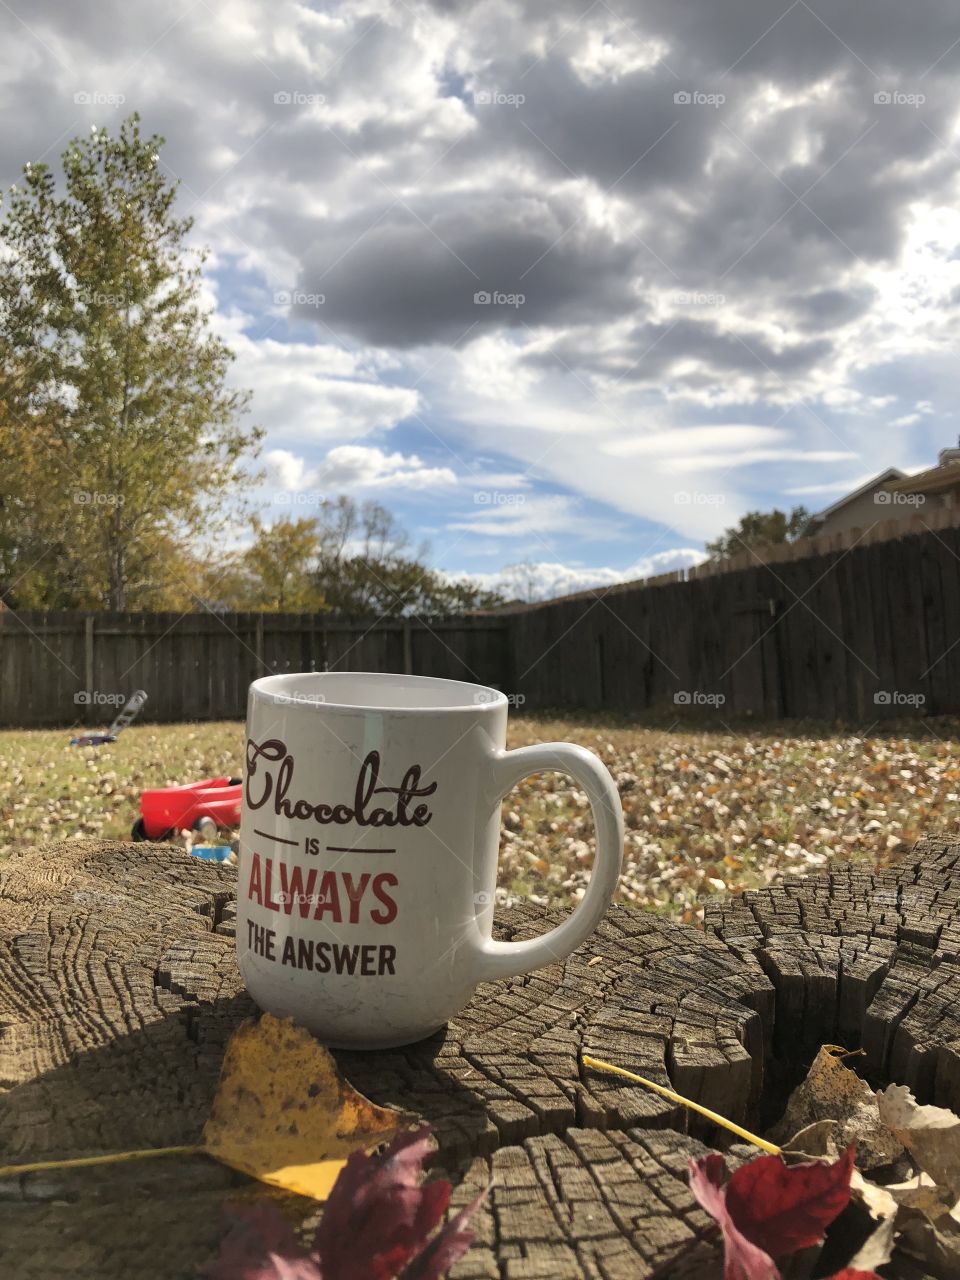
{"x": 352, "y": 559}
{"x": 275, "y": 574}
{"x": 759, "y": 529}
{"x": 120, "y": 440}
{"x": 366, "y": 568}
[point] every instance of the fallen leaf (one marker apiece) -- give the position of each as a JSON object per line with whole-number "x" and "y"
{"x": 930, "y": 1134}
{"x": 447, "y": 1245}
{"x": 768, "y": 1208}
{"x": 831, "y": 1091}
{"x": 261, "y": 1245}
{"x": 742, "y": 1259}
{"x": 381, "y": 1202}
{"x": 929, "y": 1230}
{"x": 875, "y": 1251}
{"x": 379, "y": 1223}
{"x": 820, "y": 1140}
{"x": 283, "y": 1112}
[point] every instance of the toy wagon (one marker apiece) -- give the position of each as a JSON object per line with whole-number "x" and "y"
{"x": 166, "y": 810}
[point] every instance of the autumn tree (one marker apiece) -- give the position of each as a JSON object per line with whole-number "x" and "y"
{"x": 274, "y": 574}
{"x": 367, "y": 568}
{"x": 760, "y": 529}
{"x": 122, "y": 434}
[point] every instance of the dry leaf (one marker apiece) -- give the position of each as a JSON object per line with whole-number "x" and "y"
{"x": 831, "y": 1091}
{"x": 928, "y": 1228}
{"x": 877, "y": 1249}
{"x": 283, "y": 1112}
{"x": 380, "y": 1222}
{"x": 821, "y": 1141}
{"x": 930, "y": 1134}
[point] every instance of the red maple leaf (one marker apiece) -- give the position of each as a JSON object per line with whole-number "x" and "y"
{"x": 261, "y": 1245}
{"x": 376, "y": 1225}
{"x": 768, "y": 1209}
{"x": 378, "y": 1215}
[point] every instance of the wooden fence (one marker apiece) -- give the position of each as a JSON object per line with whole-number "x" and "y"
{"x": 858, "y": 634}
{"x": 864, "y": 630}
{"x": 75, "y": 668}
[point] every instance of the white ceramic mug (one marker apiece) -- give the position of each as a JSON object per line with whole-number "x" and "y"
{"x": 368, "y": 851}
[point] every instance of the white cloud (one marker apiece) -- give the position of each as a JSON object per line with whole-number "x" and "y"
{"x": 314, "y": 391}
{"x": 350, "y": 467}
{"x": 543, "y": 580}
{"x": 518, "y": 515}
{"x": 829, "y": 487}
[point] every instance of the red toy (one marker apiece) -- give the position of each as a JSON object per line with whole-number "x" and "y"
{"x": 167, "y": 810}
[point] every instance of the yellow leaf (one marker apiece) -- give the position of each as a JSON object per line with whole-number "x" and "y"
{"x": 283, "y": 1112}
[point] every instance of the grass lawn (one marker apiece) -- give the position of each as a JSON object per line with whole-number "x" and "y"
{"x": 706, "y": 811}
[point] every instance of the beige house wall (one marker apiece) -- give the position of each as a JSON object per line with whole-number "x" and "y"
{"x": 863, "y": 512}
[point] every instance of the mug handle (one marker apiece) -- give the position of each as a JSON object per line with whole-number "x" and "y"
{"x": 510, "y": 959}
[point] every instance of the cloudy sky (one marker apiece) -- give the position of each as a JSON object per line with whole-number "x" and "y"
{"x": 571, "y": 284}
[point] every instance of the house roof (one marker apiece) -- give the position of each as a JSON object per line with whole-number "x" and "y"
{"x": 933, "y": 480}
{"x": 891, "y": 474}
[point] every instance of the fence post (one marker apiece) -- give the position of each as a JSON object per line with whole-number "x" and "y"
{"x": 88, "y": 669}
{"x": 258, "y": 645}
{"x": 407, "y": 647}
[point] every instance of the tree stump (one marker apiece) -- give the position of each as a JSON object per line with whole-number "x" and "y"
{"x": 119, "y": 989}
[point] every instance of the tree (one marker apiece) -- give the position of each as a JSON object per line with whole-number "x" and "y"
{"x": 366, "y": 568}
{"x": 114, "y": 405}
{"x": 280, "y": 563}
{"x": 274, "y": 575}
{"x": 759, "y": 529}
{"x": 352, "y": 559}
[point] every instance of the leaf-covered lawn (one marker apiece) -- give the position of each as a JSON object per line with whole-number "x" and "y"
{"x": 706, "y": 812}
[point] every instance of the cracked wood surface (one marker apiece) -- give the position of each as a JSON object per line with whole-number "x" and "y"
{"x": 119, "y": 989}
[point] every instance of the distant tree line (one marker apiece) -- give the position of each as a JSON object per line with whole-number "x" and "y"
{"x": 759, "y": 529}
{"x": 351, "y": 558}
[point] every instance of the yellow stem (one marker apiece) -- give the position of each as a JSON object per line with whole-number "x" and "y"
{"x": 82, "y": 1162}
{"x": 599, "y": 1065}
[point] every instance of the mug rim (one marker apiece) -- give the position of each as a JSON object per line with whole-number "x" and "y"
{"x": 265, "y": 688}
